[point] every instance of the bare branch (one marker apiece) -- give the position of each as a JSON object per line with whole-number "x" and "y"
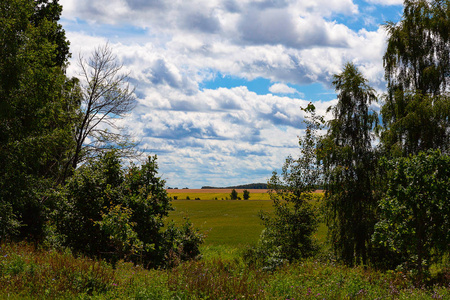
{"x": 107, "y": 96}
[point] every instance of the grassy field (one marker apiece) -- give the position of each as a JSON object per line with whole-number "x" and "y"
{"x": 226, "y": 222}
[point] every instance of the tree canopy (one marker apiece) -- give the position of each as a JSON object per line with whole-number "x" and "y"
{"x": 349, "y": 166}
{"x": 417, "y": 67}
{"x": 37, "y": 116}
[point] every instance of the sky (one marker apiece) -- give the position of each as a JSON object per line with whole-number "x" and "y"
{"x": 219, "y": 83}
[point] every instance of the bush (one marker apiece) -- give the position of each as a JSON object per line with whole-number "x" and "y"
{"x": 233, "y": 195}
{"x": 9, "y": 224}
{"x": 415, "y": 212}
{"x": 182, "y": 243}
{"x": 105, "y": 211}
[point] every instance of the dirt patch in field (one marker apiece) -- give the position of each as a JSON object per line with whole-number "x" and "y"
{"x": 209, "y": 191}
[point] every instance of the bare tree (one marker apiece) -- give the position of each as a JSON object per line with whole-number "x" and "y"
{"x": 106, "y": 96}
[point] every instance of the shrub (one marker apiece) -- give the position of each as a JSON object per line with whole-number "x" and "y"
{"x": 106, "y": 211}
{"x": 415, "y": 212}
{"x": 182, "y": 243}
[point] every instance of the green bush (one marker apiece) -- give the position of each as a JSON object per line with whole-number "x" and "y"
{"x": 415, "y": 211}
{"x": 106, "y": 211}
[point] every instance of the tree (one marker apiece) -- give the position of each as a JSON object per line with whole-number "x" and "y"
{"x": 415, "y": 211}
{"x": 105, "y": 96}
{"x": 349, "y": 167}
{"x": 233, "y": 195}
{"x": 288, "y": 231}
{"x": 246, "y": 195}
{"x": 417, "y": 67}
{"x": 37, "y": 115}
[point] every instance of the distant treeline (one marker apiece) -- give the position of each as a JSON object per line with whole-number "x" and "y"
{"x": 245, "y": 186}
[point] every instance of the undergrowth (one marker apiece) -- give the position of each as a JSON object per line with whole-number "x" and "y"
{"x": 29, "y": 273}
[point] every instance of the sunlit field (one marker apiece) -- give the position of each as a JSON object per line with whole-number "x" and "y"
{"x": 216, "y": 194}
{"x": 226, "y": 222}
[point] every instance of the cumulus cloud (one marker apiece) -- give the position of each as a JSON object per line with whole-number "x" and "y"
{"x": 386, "y": 2}
{"x": 281, "y": 88}
{"x": 224, "y": 135}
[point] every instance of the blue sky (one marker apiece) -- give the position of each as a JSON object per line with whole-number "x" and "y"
{"x": 219, "y": 83}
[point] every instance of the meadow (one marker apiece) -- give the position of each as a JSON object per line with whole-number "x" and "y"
{"x": 233, "y": 223}
{"x": 30, "y": 273}
{"x": 225, "y": 222}
{"x": 27, "y": 272}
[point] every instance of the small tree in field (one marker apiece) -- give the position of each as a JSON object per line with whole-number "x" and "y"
{"x": 288, "y": 233}
{"x": 246, "y": 195}
{"x": 234, "y": 195}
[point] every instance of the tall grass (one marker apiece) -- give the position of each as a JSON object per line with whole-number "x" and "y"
{"x": 25, "y": 270}
{"x": 27, "y": 273}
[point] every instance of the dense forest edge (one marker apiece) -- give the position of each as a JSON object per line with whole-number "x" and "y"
{"x": 256, "y": 186}
{"x": 79, "y": 219}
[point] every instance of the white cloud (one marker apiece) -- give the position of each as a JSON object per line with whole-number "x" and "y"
{"x": 281, "y": 88}
{"x": 386, "y": 2}
{"x": 223, "y": 136}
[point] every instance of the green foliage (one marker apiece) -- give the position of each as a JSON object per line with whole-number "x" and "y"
{"x": 36, "y": 116}
{"x": 182, "y": 243}
{"x": 415, "y": 211}
{"x": 417, "y": 63}
{"x": 8, "y": 221}
{"x": 105, "y": 211}
{"x": 123, "y": 239}
{"x": 417, "y": 57}
{"x": 423, "y": 125}
{"x": 233, "y": 195}
{"x": 349, "y": 167}
{"x": 288, "y": 231}
{"x": 246, "y": 195}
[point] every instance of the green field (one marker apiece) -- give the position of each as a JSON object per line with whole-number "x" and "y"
{"x": 229, "y": 222}
{"x": 226, "y": 222}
